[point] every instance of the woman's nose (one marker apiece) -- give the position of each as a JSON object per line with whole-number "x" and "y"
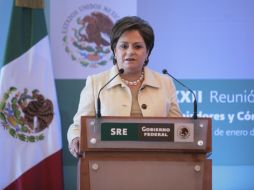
{"x": 130, "y": 50}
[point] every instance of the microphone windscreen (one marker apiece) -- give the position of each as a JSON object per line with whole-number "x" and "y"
{"x": 121, "y": 71}
{"x": 164, "y": 71}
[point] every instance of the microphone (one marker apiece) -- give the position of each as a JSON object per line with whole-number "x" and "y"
{"x": 195, "y": 106}
{"x": 98, "y": 114}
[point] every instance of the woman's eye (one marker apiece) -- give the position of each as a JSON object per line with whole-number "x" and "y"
{"x": 138, "y": 46}
{"x": 123, "y": 46}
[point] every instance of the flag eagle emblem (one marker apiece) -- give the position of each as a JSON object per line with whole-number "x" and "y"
{"x": 24, "y": 116}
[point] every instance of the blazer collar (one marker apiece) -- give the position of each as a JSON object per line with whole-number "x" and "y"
{"x": 116, "y": 81}
{"x": 150, "y": 79}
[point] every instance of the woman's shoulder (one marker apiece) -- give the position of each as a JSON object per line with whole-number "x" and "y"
{"x": 157, "y": 79}
{"x": 100, "y": 79}
{"x": 156, "y": 75}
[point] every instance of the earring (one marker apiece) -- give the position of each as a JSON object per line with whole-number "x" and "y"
{"x": 114, "y": 60}
{"x": 146, "y": 61}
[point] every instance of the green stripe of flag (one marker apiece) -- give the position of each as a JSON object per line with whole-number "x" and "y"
{"x": 27, "y": 27}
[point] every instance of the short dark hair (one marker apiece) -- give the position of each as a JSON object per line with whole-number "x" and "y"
{"x": 132, "y": 23}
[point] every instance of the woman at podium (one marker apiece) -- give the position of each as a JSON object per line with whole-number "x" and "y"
{"x": 129, "y": 88}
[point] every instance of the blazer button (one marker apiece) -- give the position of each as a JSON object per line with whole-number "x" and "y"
{"x": 144, "y": 106}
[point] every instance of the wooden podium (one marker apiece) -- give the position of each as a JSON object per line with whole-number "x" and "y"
{"x": 130, "y": 153}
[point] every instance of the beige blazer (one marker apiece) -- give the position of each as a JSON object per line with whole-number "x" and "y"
{"x": 157, "y": 98}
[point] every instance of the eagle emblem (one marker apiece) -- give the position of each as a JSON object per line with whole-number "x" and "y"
{"x": 88, "y": 42}
{"x": 96, "y": 29}
{"x": 25, "y": 115}
{"x": 183, "y": 132}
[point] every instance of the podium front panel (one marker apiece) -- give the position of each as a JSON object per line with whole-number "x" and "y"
{"x": 148, "y": 175}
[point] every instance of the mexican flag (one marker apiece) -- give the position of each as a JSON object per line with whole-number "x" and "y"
{"x": 30, "y": 130}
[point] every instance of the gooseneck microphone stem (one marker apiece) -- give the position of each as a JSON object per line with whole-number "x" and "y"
{"x": 195, "y": 106}
{"x": 98, "y": 114}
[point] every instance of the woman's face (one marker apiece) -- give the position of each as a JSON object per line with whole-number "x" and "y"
{"x": 131, "y": 52}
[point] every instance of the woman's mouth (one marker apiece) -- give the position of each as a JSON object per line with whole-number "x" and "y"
{"x": 129, "y": 59}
